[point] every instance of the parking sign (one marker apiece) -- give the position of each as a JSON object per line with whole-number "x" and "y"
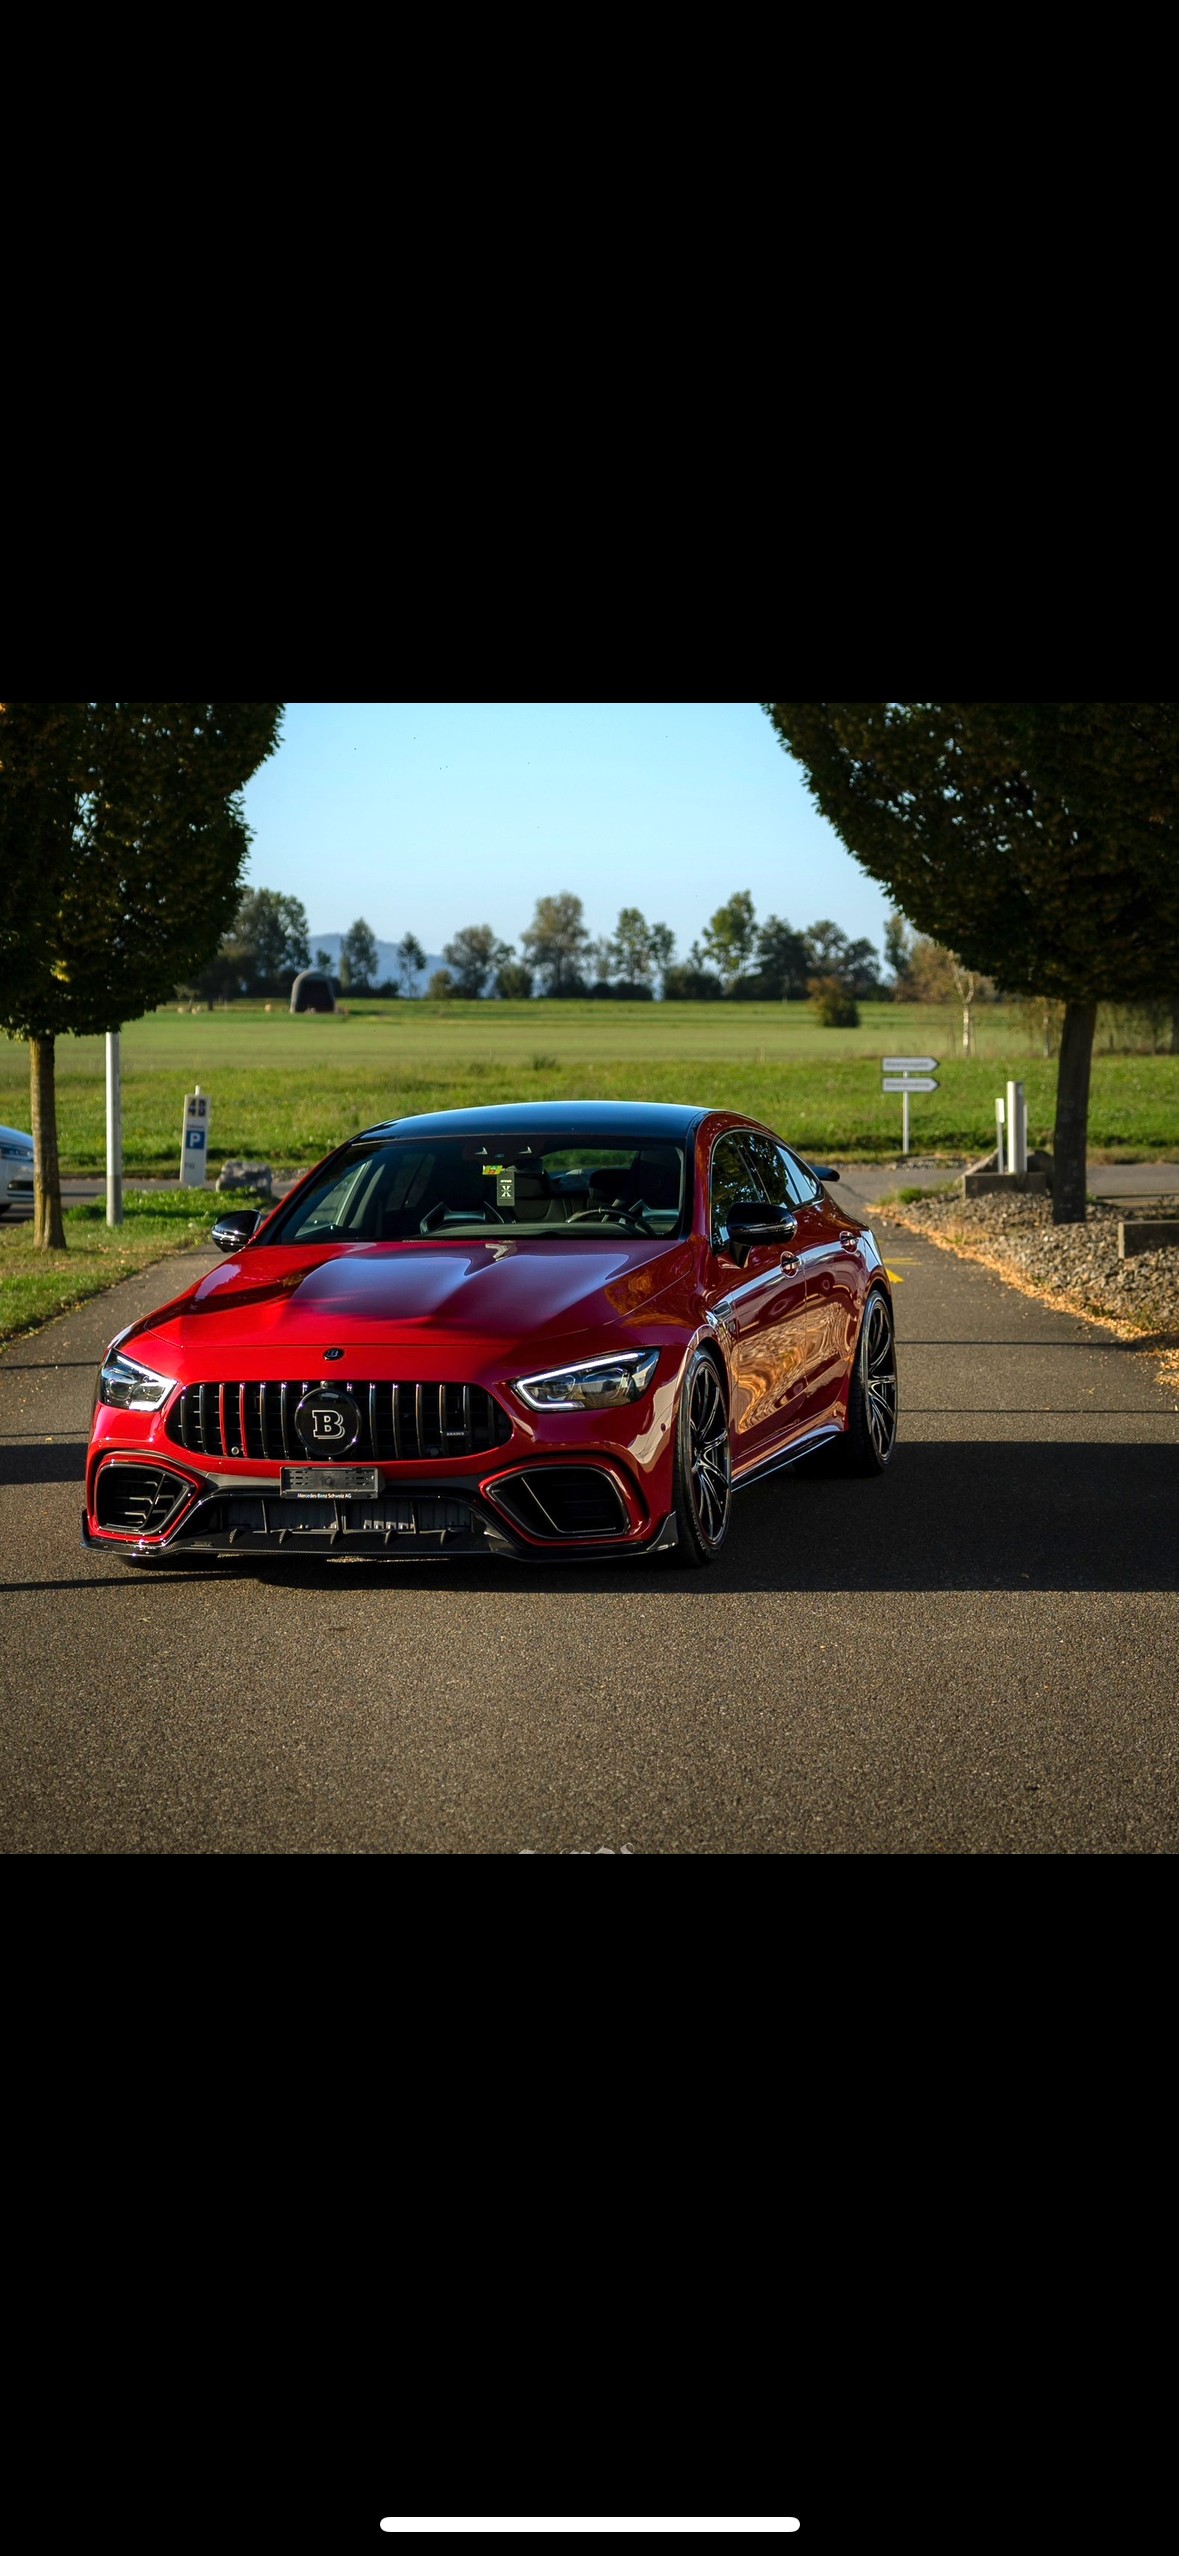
{"x": 194, "y": 1139}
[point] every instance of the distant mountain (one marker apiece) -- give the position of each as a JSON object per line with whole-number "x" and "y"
{"x": 386, "y": 958}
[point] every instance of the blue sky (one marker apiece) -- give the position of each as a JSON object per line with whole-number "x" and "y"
{"x": 423, "y": 816}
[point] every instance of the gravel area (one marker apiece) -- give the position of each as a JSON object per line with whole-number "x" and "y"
{"x": 1077, "y": 1266}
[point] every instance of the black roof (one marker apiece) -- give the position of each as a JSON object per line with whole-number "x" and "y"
{"x": 642, "y": 1119}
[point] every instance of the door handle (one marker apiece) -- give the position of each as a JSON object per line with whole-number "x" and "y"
{"x": 791, "y": 1263}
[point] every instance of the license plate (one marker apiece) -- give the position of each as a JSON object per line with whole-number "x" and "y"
{"x": 318, "y": 1482}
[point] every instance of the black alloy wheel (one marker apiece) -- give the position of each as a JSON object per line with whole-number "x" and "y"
{"x": 703, "y": 1465}
{"x": 872, "y": 1397}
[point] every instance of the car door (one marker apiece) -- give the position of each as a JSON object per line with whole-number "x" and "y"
{"x": 758, "y": 1308}
{"x": 833, "y": 1270}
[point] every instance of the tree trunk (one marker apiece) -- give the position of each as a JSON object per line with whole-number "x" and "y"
{"x": 1070, "y": 1142}
{"x": 48, "y": 1229}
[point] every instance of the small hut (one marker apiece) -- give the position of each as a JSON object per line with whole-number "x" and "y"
{"x": 312, "y": 992}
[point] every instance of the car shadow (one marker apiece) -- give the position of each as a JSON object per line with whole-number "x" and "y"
{"x": 1000, "y": 1515}
{"x": 949, "y": 1514}
{"x": 65, "y": 1461}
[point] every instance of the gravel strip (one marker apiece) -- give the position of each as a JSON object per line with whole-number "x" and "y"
{"x": 1075, "y": 1267}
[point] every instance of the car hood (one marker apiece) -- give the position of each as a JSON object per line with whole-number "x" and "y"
{"x": 263, "y": 1306}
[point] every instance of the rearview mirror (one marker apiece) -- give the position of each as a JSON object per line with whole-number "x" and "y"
{"x": 236, "y": 1226}
{"x": 822, "y": 1171}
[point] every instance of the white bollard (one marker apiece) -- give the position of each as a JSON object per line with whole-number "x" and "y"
{"x": 1000, "y": 1116}
{"x": 1017, "y": 1129}
{"x": 114, "y": 1130}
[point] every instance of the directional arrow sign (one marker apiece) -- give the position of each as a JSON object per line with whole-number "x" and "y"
{"x": 908, "y": 1064}
{"x": 910, "y": 1083}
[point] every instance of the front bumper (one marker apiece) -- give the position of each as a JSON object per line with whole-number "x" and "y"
{"x": 144, "y": 1510}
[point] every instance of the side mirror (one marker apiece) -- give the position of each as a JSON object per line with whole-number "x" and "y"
{"x": 749, "y": 1223}
{"x": 822, "y": 1171}
{"x": 237, "y": 1225}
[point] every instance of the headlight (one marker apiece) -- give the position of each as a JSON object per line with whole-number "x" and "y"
{"x": 599, "y": 1385}
{"x": 17, "y": 1153}
{"x": 131, "y": 1387}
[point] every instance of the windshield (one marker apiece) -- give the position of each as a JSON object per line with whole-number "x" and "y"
{"x": 552, "y": 1184}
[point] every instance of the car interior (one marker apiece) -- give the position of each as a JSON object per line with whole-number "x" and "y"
{"x": 400, "y": 1191}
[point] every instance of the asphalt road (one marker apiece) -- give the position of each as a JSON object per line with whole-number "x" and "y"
{"x": 974, "y": 1655}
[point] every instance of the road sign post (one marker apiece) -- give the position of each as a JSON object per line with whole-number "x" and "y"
{"x": 114, "y": 1130}
{"x": 907, "y": 1074}
{"x": 194, "y": 1140}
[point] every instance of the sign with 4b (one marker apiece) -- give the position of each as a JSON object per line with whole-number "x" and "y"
{"x": 194, "y": 1139}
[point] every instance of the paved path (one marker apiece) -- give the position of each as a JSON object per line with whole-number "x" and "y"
{"x": 976, "y": 1655}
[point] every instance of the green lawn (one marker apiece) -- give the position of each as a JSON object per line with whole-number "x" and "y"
{"x": 286, "y": 1090}
{"x": 37, "y": 1285}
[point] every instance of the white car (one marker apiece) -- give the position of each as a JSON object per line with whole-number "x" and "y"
{"x": 16, "y": 1169}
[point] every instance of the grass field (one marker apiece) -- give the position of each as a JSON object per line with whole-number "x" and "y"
{"x": 285, "y": 1090}
{"x": 37, "y": 1285}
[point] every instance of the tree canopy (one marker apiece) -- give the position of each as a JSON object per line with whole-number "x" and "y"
{"x": 122, "y": 839}
{"x": 556, "y": 943}
{"x": 1036, "y": 839}
{"x": 473, "y": 958}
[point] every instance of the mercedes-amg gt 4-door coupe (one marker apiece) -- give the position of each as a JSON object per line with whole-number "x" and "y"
{"x": 574, "y": 1327}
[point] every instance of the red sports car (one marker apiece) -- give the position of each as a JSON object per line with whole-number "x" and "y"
{"x": 578, "y": 1326}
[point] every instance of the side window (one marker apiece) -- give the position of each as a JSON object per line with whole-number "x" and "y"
{"x": 802, "y": 1187}
{"x": 769, "y": 1161}
{"x": 731, "y": 1182}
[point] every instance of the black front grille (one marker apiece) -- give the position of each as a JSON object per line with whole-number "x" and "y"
{"x": 563, "y": 1500}
{"x": 138, "y": 1499}
{"x": 406, "y": 1423}
{"x": 400, "y": 1520}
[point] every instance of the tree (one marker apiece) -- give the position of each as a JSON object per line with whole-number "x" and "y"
{"x": 122, "y": 841}
{"x": 783, "y": 962}
{"x": 898, "y": 955}
{"x": 603, "y": 960}
{"x": 730, "y": 938}
{"x": 473, "y": 957}
{"x": 556, "y": 942}
{"x": 832, "y": 1002}
{"x": 634, "y": 955}
{"x": 411, "y": 959}
{"x": 1037, "y": 839}
{"x": 442, "y": 985}
{"x": 323, "y": 961}
{"x": 267, "y": 941}
{"x": 358, "y": 951}
{"x": 513, "y": 981}
{"x": 662, "y": 946}
{"x": 693, "y": 982}
{"x": 932, "y": 971}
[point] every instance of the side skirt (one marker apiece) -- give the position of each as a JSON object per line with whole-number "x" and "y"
{"x": 789, "y": 1455}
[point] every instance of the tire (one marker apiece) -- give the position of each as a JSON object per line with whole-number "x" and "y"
{"x": 703, "y": 1465}
{"x": 871, "y": 1435}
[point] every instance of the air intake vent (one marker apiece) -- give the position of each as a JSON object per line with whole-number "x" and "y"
{"x": 138, "y": 1499}
{"x": 402, "y": 1423}
{"x": 558, "y": 1501}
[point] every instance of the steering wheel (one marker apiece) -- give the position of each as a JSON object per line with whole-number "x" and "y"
{"x": 617, "y": 1213}
{"x": 484, "y": 1213}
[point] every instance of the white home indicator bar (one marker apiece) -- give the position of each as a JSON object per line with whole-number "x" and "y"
{"x": 718, "y": 2528}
